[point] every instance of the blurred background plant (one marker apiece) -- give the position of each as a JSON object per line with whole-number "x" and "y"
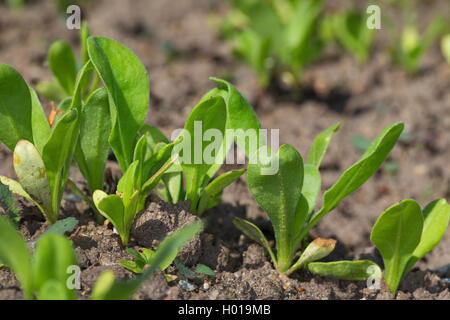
{"x": 408, "y": 46}
{"x": 276, "y": 38}
{"x": 280, "y": 39}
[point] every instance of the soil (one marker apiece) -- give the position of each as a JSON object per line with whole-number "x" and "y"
{"x": 181, "y": 51}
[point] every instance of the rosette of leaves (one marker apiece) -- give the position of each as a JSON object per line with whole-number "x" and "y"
{"x": 405, "y": 233}
{"x": 289, "y": 196}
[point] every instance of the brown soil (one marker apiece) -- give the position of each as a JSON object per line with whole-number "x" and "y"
{"x": 181, "y": 52}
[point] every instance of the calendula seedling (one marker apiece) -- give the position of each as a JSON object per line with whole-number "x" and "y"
{"x": 410, "y": 48}
{"x": 222, "y": 110}
{"x": 290, "y": 195}
{"x": 45, "y": 275}
{"x": 143, "y": 258}
{"x": 107, "y": 289}
{"x": 42, "y": 155}
{"x": 276, "y": 38}
{"x": 404, "y": 234}
{"x": 350, "y": 30}
{"x": 142, "y": 176}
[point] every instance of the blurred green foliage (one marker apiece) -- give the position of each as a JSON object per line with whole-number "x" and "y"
{"x": 409, "y": 46}
{"x": 276, "y": 38}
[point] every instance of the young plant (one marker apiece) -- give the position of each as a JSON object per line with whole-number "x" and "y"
{"x": 42, "y": 155}
{"x": 107, "y": 289}
{"x": 350, "y": 30}
{"x": 408, "y": 51}
{"x": 404, "y": 234}
{"x": 222, "y": 116}
{"x": 142, "y": 176}
{"x": 45, "y": 275}
{"x": 290, "y": 194}
{"x": 276, "y": 38}
{"x": 143, "y": 257}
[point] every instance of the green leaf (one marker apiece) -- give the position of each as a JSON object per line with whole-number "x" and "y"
{"x": 95, "y": 128}
{"x": 30, "y": 170}
{"x": 359, "y": 173}
{"x": 62, "y": 226}
{"x": 15, "y": 255}
{"x": 209, "y": 114}
{"x": 62, "y": 62}
{"x": 146, "y": 254}
{"x": 278, "y": 194}
{"x": 103, "y": 286}
{"x": 216, "y": 187}
{"x": 133, "y": 266}
{"x": 17, "y": 189}
{"x": 53, "y": 290}
{"x": 121, "y": 290}
{"x": 85, "y": 32}
{"x": 15, "y": 108}
{"x": 58, "y": 155}
{"x": 51, "y": 91}
{"x": 112, "y": 208}
{"x": 240, "y": 117}
{"x": 126, "y": 80}
{"x": 54, "y": 255}
{"x": 320, "y": 145}
{"x": 185, "y": 271}
{"x": 202, "y": 269}
{"x": 436, "y": 218}
{"x": 9, "y": 204}
{"x": 397, "y": 234}
{"x": 153, "y": 136}
{"x": 351, "y": 31}
{"x": 346, "y": 270}
{"x": 41, "y": 128}
{"x": 254, "y": 233}
{"x": 311, "y": 186}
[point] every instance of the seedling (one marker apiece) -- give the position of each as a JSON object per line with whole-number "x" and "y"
{"x": 143, "y": 257}
{"x": 290, "y": 195}
{"x": 350, "y": 30}
{"x": 106, "y": 289}
{"x": 221, "y": 111}
{"x": 45, "y": 275}
{"x": 42, "y": 155}
{"x": 275, "y": 38}
{"x": 409, "y": 50}
{"x": 142, "y": 176}
{"x": 404, "y": 234}
{"x": 200, "y": 269}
